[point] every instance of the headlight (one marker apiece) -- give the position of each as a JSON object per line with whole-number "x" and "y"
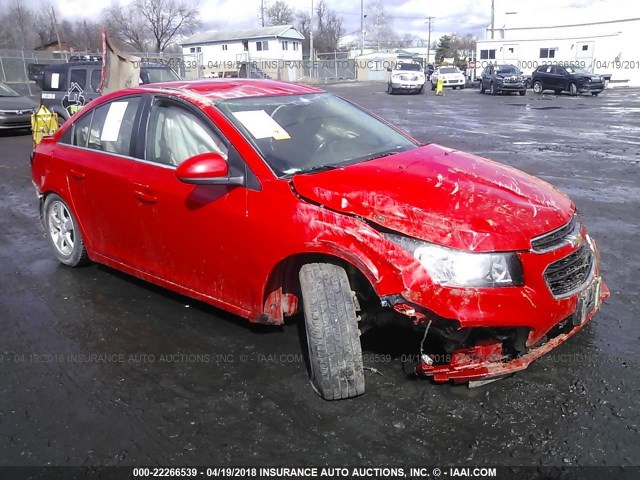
{"x": 455, "y": 268}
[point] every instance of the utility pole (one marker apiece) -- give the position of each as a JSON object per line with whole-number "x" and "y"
{"x": 492, "y": 17}
{"x": 361, "y": 27}
{"x": 55, "y": 25}
{"x": 311, "y": 40}
{"x": 262, "y": 12}
{"x": 429, "y": 40}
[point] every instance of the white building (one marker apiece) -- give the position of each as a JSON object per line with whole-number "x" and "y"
{"x": 600, "y": 39}
{"x": 227, "y": 50}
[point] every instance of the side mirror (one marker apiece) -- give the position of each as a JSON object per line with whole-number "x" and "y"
{"x": 207, "y": 169}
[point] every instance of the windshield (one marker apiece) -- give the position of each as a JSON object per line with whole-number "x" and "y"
{"x": 408, "y": 66}
{"x": 449, "y": 70}
{"x": 158, "y": 74}
{"x": 577, "y": 70}
{"x": 7, "y": 91}
{"x": 307, "y": 133}
{"x": 508, "y": 70}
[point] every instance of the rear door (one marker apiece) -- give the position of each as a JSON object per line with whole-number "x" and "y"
{"x": 104, "y": 198}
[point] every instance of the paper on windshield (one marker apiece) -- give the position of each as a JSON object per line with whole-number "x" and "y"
{"x": 261, "y": 125}
{"x": 113, "y": 121}
{"x": 55, "y": 81}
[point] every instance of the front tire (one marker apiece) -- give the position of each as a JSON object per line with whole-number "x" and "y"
{"x": 573, "y": 89}
{"x": 63, "y": 232}
{"x": 537, "y": 87}
{"x": 333, "y": 338}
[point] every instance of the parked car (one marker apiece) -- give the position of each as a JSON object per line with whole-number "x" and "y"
{"x": 267, "y": 198}
{"x": 568, "y": 78}
{"x": 406, "y": 76}
{"x": 68, "y": 86}
{"x": 502, "y": 78}
{"x": 15, "y": 109}
{"x": 451, "y": 76}
{"x": 428, "y": 70}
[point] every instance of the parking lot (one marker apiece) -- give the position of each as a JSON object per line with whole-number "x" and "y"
{"x": 99, "y": 368}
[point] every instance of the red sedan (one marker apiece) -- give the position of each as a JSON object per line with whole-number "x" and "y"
{"x": 267, "y": 198}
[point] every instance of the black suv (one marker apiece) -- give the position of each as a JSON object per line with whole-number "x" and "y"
{"x": 567, "y": 78}
{"x": 68, "y": 86}
{"x": 502, "y": 78}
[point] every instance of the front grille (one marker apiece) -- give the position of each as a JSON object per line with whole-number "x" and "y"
{"x": 555, "y": 238}
{"x": 569, "y": 273}
{"x": 409, "y": 77}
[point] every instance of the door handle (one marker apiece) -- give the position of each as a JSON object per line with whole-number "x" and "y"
{"x": 76, "y": 174}
{"x": 144, "y": 194}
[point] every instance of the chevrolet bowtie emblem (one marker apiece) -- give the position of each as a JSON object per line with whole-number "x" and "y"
{"x": 576, "y": 239}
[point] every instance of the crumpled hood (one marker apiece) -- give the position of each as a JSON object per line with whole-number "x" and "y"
{"x": 443, "y": 196}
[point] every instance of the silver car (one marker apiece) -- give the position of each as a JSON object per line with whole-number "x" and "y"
{"x": 15, "y": 109}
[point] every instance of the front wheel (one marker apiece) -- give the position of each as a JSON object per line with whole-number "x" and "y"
{"x": 63, "y": 232}
{"x": 333, "y": 338}
{"x": 537, "y": 87}
{"x": 573, "y": 89}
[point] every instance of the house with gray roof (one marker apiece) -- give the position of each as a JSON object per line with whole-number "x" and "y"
{"x": 219, "y": 50}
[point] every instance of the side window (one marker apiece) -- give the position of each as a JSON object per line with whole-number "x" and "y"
{"x": 175, "y": 134}
{"x": 95, "y": 80}
{"x": 557, "y": 71}
{"x": 112, "y": 126}
{"x": 79, "y": 77}
{"x": 81, "y": 130}
{"x": 55, "y": 81}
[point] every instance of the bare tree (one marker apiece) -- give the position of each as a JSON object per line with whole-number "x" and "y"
{"x": 303, "y": 24}
{"x": 380, "y": 27}
{"x": 152, "y": 24}
{"x": 21, "y": 18}
{"x": 328, "y": 30}
{"x": 280, "y": 13}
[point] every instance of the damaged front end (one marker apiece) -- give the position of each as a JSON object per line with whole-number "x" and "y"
{"x": 450, "y": 352}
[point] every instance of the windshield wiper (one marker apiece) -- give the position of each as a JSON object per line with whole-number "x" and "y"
{"x": 319, "y": 168}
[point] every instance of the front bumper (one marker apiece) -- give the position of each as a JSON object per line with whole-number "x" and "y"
{"x": 15, "y": 121}
{"x": 407, "y": 85}
{"x": 591, "y": 88}
{"x": 512, "y": 87}
{"x": 487, "y": 360}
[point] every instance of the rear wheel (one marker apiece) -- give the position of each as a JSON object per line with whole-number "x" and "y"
{"x": 594, "y": 94}
{"x": 333, "y": 338}
{"x": 63, "y": 232}
{"x": 537, "y": 86}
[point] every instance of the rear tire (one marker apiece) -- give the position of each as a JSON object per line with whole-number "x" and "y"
{"x": 333, "y": 338}
{"x": 63, "y": 232}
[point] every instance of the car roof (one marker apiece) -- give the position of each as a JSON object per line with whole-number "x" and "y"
{"x": 223, "y": 88}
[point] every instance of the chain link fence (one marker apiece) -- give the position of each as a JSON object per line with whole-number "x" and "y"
{"x": 21, "y": 66}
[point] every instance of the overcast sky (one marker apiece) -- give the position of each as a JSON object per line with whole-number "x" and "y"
{"x": 409, "y": 16}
